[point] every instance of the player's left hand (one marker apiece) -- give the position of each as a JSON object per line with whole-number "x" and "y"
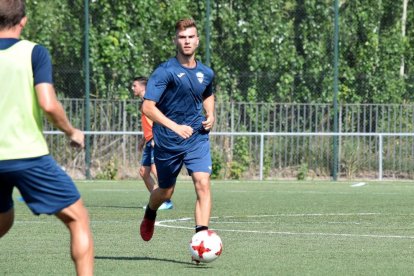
{"x": 208, "y": 123}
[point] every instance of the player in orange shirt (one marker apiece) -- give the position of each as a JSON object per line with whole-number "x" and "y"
{"x": 147, "y": 145}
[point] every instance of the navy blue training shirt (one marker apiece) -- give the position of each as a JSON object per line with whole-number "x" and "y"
{"x": 179, "y": 93}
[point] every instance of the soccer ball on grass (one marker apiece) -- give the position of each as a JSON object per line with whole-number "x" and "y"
{"x": 205, "y": 246}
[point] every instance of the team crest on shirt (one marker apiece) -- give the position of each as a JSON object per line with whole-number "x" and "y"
{"x": 200, "y": 77}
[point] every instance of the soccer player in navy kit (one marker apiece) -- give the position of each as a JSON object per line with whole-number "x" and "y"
{"x": 180, "y": 101}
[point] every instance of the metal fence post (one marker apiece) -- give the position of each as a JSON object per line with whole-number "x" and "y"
{"x": 261, "y": 155}
{"x": 380, "y": 157}
{"x": 87, "y": 92}
{"x": 232, "y": 128}
{"x": 207, "y": 25}
{"x": 335, "y": 98}
{"x": 124, "y": 128}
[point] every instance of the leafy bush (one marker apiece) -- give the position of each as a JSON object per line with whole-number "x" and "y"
{"x": 302, "y": 171}
{"x": 109, "y": 171}
{"x": 218, "y": 164}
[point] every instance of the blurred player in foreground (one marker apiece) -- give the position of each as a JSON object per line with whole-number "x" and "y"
{"x": 178, "y": 92}
{"x": 26, "y": 90}
{"x": 147, "y": 145}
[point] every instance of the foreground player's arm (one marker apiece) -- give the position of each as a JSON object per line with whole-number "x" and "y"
{"x": 152, "y": 112}
{"x": 55, "y": 113}
{"x": 208, "y": 105}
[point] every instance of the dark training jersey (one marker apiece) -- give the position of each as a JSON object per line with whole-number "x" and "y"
{"x": 179, "y": 93}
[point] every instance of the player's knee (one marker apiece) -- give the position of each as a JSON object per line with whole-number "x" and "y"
{"x": 202, "y": 187}
{"x": 166, "y": 193}
{"x": 202, "y": 183}
{"x": 74, "y": 214}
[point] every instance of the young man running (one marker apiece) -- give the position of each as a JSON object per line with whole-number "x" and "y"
{"x": 178, "y": 92}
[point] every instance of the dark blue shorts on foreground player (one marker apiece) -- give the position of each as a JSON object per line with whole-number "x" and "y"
{"x": 44, "y": 186}
{"x": 169, "y": 163}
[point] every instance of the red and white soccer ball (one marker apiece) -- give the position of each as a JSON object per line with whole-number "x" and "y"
{"x": 205, "y": 246}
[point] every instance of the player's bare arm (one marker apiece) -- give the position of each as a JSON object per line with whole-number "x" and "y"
{"x": 55, "y": 113}
{"x": 153, "y": 113}
{"x": 208, "y": 105}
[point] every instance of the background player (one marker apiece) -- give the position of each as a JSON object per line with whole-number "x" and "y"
{"x": 147, "y": 145}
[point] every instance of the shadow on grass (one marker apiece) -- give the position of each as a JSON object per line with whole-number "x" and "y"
{"x": 189, "y": 264}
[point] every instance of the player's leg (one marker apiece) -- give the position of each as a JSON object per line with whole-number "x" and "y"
{"x": 146, "y": 167}
{"x": 167, "y": 204}
{"x": 159, "y": 196}
{"x": 76, "y": 219}
{"x": 168, "y": 167}
{"x": 154, "y": 170}
{"x": 47, "y": 189}
{"x": 199, "y": 166}
{"x": 145, "y": 173}
{"x": 6, "y": 221}
{"x": 203, "y": 204}
{"x": 152, "y": 163}
{"x": 6, "y": 205}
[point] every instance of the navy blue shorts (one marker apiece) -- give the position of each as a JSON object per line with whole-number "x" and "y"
{"x": 44, "y": 186}
{"x": 147, "y": 155}
{"x": 169, "y": 164}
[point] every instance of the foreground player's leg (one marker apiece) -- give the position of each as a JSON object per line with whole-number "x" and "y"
{"x": 158, "y": 196}
{"x": 203, "y": 203}
{"x": 6, "y": 221}
{"x": 145, "y": 173}
{"x": 76, "y": 219}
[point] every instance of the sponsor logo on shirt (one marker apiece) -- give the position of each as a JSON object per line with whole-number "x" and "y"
{"x": 180, "y": 75}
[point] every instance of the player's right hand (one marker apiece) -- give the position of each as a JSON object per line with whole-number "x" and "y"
{"x": 77, "y": 139}
{"x": 184, "y": 131}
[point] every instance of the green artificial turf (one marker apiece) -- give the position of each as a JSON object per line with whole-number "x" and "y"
{"x": 267, "y": 228}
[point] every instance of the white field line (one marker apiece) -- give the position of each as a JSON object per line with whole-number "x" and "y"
{"x": 165, "y": 223}
{"x": 360, "y": 184}
{"x": 312, "y": 215}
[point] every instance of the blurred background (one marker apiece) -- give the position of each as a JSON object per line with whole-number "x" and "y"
{"x": 290, "y": 66}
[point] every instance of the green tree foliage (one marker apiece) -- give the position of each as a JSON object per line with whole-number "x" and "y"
{"x": 371, "y": 52}
{"x": 261, "y": 51}
{"x": 57, "y": 25}
{"x": 130, "y": 38}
